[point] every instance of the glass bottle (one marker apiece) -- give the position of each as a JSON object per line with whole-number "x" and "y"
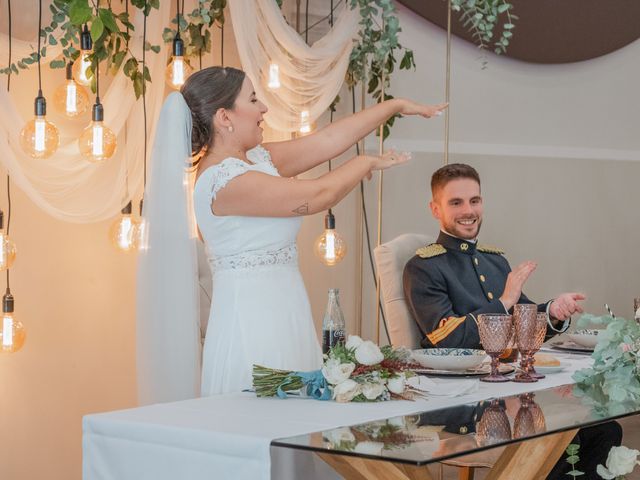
{"x": 333, "y": 327}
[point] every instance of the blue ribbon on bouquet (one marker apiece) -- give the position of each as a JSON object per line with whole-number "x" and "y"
{"x": 314, "y": 381}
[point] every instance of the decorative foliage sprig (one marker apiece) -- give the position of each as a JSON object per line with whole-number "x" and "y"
{"x": 110, "y": 32}
{"x": 572, "y": 459}
{"x": 482, "y": 17}
{"x": 612, "y": 384}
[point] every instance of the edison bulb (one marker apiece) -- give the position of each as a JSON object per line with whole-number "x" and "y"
{"x": 81, "y": 65}
{"x": 12, "y": 332}
{"x": 330, "y": 247}
{"x": 274, "y": 76}
{"x": 39, "y": 137}
{"x": 71, "y": 98}
{"x": 177, "y": 72}
{"x": 124, "y": 231}
{"x": 97, "y": 142}
{"x": 305, "y": 126}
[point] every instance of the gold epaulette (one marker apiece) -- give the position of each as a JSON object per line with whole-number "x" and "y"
{"x": 432, "y": 250}
{"x": 489, "y": 249}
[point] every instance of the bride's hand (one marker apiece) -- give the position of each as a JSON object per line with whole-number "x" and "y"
{"x": 409, "y": 107}
{"x": 389, "y": 159}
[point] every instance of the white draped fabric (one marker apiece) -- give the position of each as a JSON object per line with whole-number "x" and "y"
{"x": 65, "y": 185}
{"x": 310, "y": 76}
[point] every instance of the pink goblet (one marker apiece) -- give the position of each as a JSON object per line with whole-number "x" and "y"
{"x": 524, "y": 320}
{"x": 495, "y": 332}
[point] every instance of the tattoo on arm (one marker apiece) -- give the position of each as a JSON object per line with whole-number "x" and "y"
{"x": 302, "y": 209}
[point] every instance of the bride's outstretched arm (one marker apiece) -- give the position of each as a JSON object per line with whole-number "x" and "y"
{"x": 293, "y": 157}
{"x": 258, "y": 194}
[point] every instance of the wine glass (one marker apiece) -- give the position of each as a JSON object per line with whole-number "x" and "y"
{"x": 525, "y": 321}
{"x": 493, "y": 426}
{"x": 524, "y": 423}
{"x": 540, "y": 334}
{"x": 495, "y": 332}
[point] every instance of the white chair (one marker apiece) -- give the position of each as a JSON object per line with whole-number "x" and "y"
{"x": 391, "y": 257}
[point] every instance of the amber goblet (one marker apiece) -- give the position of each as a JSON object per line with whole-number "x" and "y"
{"x": 495, "y": 332}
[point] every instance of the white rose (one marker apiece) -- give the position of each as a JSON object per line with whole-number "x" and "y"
{"x": 339, "y": 435}
{"x": 346, "y": 391}
{"x": 336, "y": 372}
{"x": 353, "y": 341}
{"x": 372, "y": 390}
{"x": 396, "y": 384}
{"x": 369, "y": 448}
{"x": 368, "y": 353}
{"x": 620, "y": 461}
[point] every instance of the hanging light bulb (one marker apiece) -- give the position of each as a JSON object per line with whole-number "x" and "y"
{"x": 81, "y": 65}
{"x": 12, "y": 333}
{"x": 97, "y": 142}
{"x": 330, "y": 247}
{"x": 70, "y": 98}
{"x": 7, "y": 247}
{"x": 305, "y": 125}
{"x": 124, "y": 231}
{"x": 274, "y": 76}
{"x": 39, "y": 137}
{"x": 178, "y": 69}
{"x": 141, "y": 231}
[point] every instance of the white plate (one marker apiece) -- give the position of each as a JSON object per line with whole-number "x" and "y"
{"x": 546, "y": 370}
{"x": 586, "y": 338}
{"x": 449, "y": 358}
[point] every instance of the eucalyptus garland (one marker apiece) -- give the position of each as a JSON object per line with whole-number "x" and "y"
{"x": 482, "y": 17}
{"x": 110, "y": 33}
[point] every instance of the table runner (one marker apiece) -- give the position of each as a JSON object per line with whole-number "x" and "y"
{"x": 229, "y": 436}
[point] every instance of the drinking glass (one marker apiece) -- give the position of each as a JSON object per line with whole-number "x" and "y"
{"x": 493, "y": 426}
{"x": 524, "y": 423}
{"x": 525, "y": 323}
{"x": 495, "y": 332}
{"x": 541, "y": 332}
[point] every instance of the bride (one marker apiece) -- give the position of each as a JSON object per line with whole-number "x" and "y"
{"x": 248, "y": 206}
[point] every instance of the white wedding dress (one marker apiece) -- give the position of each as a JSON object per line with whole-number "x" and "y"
{"x": 260, "y": 311}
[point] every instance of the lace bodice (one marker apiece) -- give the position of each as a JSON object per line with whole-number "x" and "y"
{"x": 236, "y": 242}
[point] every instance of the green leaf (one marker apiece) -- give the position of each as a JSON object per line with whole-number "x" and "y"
{"x": 97, "y": 28}
{"x": 52, "y": 40}
{"x": 79, "y": 12}
{"x": 57, "y": 64}
{"x": 108, "y": 20}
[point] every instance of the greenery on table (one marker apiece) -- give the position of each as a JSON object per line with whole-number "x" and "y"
{"x": 612, "y": 384}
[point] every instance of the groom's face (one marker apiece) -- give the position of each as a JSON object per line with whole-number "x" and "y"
{"x": 458, "y": 207}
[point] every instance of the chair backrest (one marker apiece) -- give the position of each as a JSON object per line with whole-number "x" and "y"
{"x": 391, "y": 257}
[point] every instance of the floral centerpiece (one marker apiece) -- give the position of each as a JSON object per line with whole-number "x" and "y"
{"x": 358, "y": 371}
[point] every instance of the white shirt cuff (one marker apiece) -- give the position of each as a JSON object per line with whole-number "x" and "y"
{"x": 565, "y": 324}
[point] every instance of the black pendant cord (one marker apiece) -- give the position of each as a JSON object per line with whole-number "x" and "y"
{"x": 333, "y": 106}
{"x": 39, "y": 41}
{"x": 222, "y": 45}
{"x": 144, "y": 98}
{"x": 10, "y": 35}
{"x": 366, "y": 223}
{"x": 306, "y": 22}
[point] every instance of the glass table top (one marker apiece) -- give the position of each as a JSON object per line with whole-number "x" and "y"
{"x": 451, "y": 432}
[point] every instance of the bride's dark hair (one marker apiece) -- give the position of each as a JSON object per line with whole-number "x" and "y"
{"x": 205, "y": 91}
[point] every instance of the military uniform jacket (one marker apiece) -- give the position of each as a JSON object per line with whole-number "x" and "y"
{"x": 449, "y": 283}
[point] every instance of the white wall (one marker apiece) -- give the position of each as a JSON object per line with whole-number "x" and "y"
{"x": 556, "y": 147}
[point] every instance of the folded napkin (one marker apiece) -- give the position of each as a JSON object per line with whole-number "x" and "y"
{"x": 443, "y": 388}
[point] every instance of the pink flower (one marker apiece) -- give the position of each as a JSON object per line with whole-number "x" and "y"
{"x": 625, "y": 347}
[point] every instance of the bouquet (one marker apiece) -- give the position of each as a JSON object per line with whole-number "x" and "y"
{"x": 358, "y": 371}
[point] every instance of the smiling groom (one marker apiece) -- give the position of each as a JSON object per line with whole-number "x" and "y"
{"x": 449, "y": 283}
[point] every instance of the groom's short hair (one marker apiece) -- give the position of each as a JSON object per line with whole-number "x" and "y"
{"x": 452, "y": 171}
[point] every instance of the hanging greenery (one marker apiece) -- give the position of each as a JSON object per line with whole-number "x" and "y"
{"x": 110, "y": 33}
{"x": 482, "y": 17}
{"x": 195, "y": 27}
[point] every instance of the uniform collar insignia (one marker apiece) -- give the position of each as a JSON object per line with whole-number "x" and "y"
{"x": 456, "y": 244}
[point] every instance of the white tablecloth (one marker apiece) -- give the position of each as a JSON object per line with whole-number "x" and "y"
{"x": 229, "y": 436}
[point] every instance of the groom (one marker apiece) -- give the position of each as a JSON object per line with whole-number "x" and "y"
{"x": 448, "y": 283}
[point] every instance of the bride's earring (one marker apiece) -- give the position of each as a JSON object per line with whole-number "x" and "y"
{"x": 230, "y": 128}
